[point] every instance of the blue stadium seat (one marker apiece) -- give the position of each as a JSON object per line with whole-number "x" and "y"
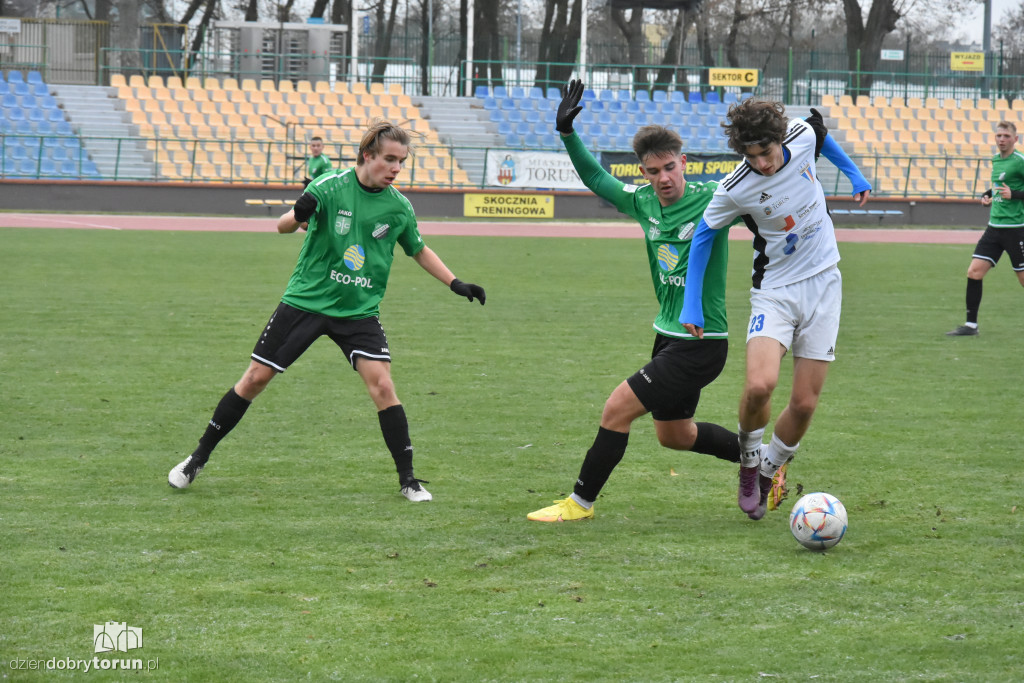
{"x": 586, "y": 116}
{"x": 603, "y": 142}
{"x": 554, "y": 94}
{"x": 16, "y": 152}
{"x": 531, "y": 140}
{"x": 694, "y": 97}
{"x": 47, "y": 102}
{"x": 506, "y": 103}
{"x": 523, "y": 128}
{"x": 29, "y": 102}
{"x": 596, "y": 106}
{"x": 35, "y": 114}
{"x": 605, "y": 118}
{"x": 677, "y": 96}
{"x": 535, "y": 93}
{"x": 730, "y": 98}
{"x": 533, "y": 117}
{"x": 28, "y": 167}
{"x": 44, "y": 127}
{"x": 23, "y": 126}
{"x": 69, "y": 168}
{"x": 593, "y": 130}
{"x": 589, "y": 95}
{"x": 746, "y": 96}
{"x": 550, "y": 141}
{"x": 514, "y": 115}
{"x": 34, "y": 77}
{"x": 63, "y": 128}
{"x": 720, "y": 111}
{"x": 711, "y": 97}
{"x": 615, "y": 106}
{"x": 10, "y": 167}
{"x": 47, "y": 167}
{"x": 498, "y": 116}
{"x": 482, "y": 91}
{"x": 10, "y": 101}
{"x": 4, "y": 88}
{"x": 704, "y": 109}
{"x": 490, "y": 103}
{"x": 500, "y": 92}
{"x": 58, "y": 153}
{"x": 621, "y": 143}
{"x": 606, "y": 96}
{"x": 660, "y": 96}
{"x": 517, "y": 93}
{"x": 512, "y": 140}
{"x": 504, "y": 127}
{"x": 15, "y": 77}
{"x": 642, "y": 96}
{"x": 623, "y": 95}
{"x": 634, "y": 107}
{"x": 39, "y": 89}
{"x": 21, "y": 89}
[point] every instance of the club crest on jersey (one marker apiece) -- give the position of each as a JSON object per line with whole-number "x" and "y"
{"x": 764, "y": 197}
{"x": 806, "y": 174}
{"x": 380, "y": 230}
{"x": 342, "y": 226}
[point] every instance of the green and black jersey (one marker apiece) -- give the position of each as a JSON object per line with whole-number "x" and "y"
{"x": 1007, "y": 213}
{"x": 345, "y": 262}
{"x": 317, "y": 166}
{"x": 668, "y": 232}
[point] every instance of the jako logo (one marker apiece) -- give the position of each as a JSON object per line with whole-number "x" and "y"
{"x": 116, "y": 636}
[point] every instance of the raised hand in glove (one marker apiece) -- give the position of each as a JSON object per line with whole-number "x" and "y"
{"x": 470, "y": 291}
{"x": 569, "y": 107}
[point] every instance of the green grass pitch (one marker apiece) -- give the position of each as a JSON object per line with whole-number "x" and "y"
{"x": 294, "y": 556}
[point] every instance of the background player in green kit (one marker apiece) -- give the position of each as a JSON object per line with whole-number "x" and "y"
{"x": 669, "y": 386}
{"x": 318, "y": 163}
{"x": 355, "y": 218}
{"x": 1005, "y": 231}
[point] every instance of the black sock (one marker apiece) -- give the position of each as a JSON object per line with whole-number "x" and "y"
{"x": 603, "y": 456}
{"x": 395, "y": 427}
{"x": 973, "y": 300}
{"x": 227, "y": 414}
{"x": 718, "y": 441}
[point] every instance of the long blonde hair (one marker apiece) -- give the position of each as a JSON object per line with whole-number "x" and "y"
{"x": 381, "y": 128}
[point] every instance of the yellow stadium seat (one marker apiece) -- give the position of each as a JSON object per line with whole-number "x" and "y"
{"x": 304, "y": 86}
{"x": 322, "y": 87}
{"x": 117, "y": 80}
{"x": 249, "y": 84}
{"x": 1017, "y": 105}
{"x": 136, "y": 81}
{"x": 286, "y": 86}
{"x": 193, "y": 83}
{"x": 173, "y": 82}
{"x": 229, "y": 84}
{"x": 155, "y": 81}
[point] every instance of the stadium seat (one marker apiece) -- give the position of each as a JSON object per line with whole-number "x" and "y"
{"x": 15, "y": 77}
{"x": 500, "y": 92}
{"x": 659, "y": 96}
{"x": 512, "y": 140}
{"x": 554, "y": 94}
{"x": 711, "y": 97}
{"x": 694, "y": 97}
{"x": 642, "y": 96}
{"x": 482, "y": 91}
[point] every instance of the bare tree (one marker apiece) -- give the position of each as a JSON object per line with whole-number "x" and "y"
{"x": 864, "y": 39}
{"x": 319, "y": 7}
{"x": 559, "y": 38}
{"x": 487, "y": 64}
{"x": 382, "y": 46}
{"x": 633, "y": 31}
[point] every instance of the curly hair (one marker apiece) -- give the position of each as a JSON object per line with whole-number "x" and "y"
{"x": 656, "y": 140}
{"x": 755, "y": 122}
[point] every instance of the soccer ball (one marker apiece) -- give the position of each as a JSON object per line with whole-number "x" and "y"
{"x": 818, "y": 521}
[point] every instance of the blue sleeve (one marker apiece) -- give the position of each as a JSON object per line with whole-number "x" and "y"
{"x": 834, "y": 153}
{"x": 693, "y": 292}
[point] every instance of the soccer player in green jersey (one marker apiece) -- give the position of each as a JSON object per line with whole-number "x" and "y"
{"x": 318, "y": 162}
{"x": 669, "y": 386}
{"x": 1005, "y": 231}
{"x": 354, "y": 218}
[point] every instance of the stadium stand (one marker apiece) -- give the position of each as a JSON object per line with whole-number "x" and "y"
{"x": 36, "y": 141}
{"x": 610, "y": 117}
{"x": 920, "y": 146}
{"x": 249, "y": 131}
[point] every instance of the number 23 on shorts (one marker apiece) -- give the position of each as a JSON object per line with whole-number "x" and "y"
{"x": 757, "y": 322}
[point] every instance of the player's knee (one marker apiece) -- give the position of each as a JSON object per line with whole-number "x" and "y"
{"x": 758, "y": 389}
{"x": 802, "y": 406}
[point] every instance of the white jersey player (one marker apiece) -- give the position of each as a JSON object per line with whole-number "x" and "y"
{"x": 796, "y": 292}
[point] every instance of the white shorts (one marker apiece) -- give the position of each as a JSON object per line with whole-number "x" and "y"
{"x": 803, "y": 316}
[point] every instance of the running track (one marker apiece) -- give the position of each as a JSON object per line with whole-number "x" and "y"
{"x": 500, "y": 229}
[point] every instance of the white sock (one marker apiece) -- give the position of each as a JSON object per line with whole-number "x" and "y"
{"x": 974, "y": 325}
{"x": 776, "y": 455}
{"x": 587, "y": 504}
{"x": 750, "y": 446}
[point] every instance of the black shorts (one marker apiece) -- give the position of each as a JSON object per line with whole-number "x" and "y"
{"x": 290, "y": 331}
{"x": 669, "y": 386}
{"x": 997, "y": 240}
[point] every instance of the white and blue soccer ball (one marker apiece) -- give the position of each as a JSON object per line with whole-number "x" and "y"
{"x": 818, "y": 521}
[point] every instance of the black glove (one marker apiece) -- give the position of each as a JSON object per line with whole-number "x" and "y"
{"x": 569, "y": 107}
{"x": 468, "y": 290}
{"x": 305, "y": 207}
{"x": 987, "y": 193}
{"x": 817, "y": 123}
{"x": 306, "y": 182}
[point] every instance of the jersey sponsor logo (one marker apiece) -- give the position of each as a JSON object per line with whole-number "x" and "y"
{"x": 346, "y": 279}
{"x": 354, "y": 257}
{"x": 380, "y": 230}
{"x": 668, "y": 257}
{"x": 686, "y": 232}
{"x": 644, "y": 375}
{"x": 807, "y": 209}
{"x": 805, "y": 172}
{"x": 674, "y": 280}
{"x": 630, "y": 188}
{"x": 764, "y": 197}
{"x": 790, "y": 224}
